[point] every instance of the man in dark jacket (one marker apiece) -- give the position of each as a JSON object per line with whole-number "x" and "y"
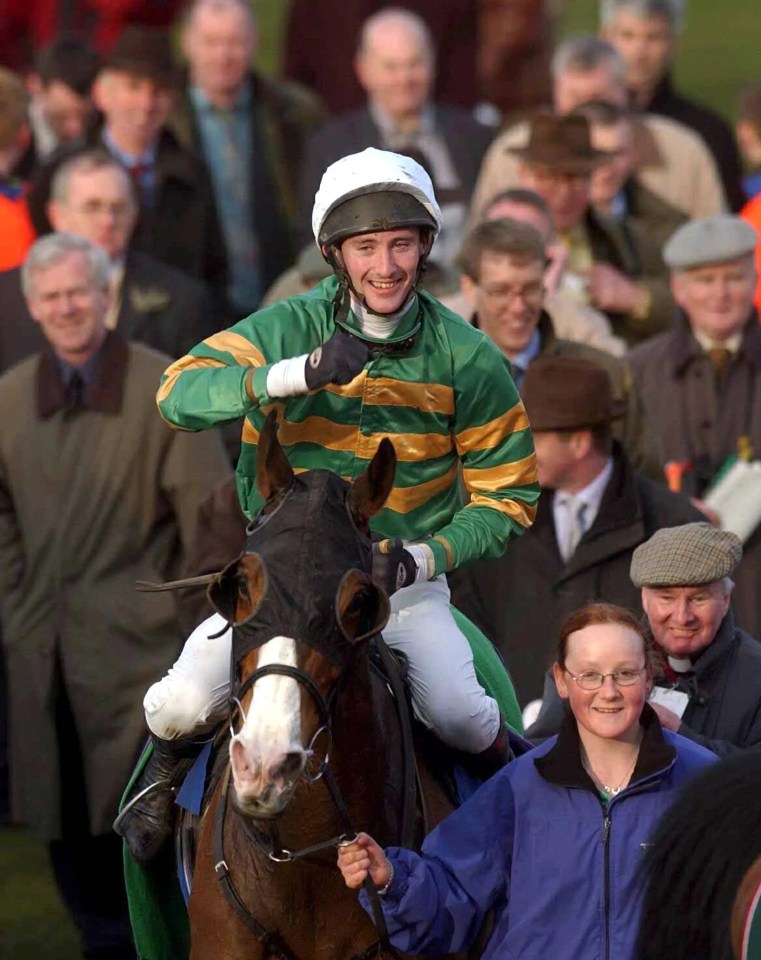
{"x": 594, "y": 510}
{"x": 700, "y": 383}
{"x": 251, "y": 132}
{"x": 646, "y": 33}
{"x": 134, "y": 93}
{"x": 709, "y": 688}
{"x": 395, "y": 64}
{"x": 92, "y": 197}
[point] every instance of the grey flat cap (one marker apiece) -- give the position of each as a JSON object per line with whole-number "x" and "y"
{"x": 685, "y": 556}
{"x": 710, "y": 240}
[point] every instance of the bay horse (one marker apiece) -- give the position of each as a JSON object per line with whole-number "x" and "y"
{"x": 317, "y": 741}
{"x": 704, "y": 869}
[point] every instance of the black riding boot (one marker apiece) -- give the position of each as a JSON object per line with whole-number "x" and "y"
{"x": 145, "y": 822}
{"x": 486, "y": 763}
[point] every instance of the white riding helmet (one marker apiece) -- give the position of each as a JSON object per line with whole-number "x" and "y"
{"x": 396, "y": 192}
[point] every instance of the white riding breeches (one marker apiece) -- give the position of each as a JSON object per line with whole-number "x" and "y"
{"x": 446, "y": 696}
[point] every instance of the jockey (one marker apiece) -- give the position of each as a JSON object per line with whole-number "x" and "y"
{"x": 363, "y": 355}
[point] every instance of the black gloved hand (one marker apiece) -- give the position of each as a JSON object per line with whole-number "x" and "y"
{"x": 338, "y": 360}
{"x": 393, "y": 566}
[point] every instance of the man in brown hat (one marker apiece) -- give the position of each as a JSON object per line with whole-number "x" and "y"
{"x": 593, "y": 511}
{"x": 617, "y": 269}
{"x": 135, "y": 94}
{"x": 709, "y": 684}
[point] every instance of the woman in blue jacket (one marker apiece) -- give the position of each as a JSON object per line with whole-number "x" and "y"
{"x": 552, "y": 843}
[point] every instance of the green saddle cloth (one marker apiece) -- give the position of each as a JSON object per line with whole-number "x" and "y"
{"x": 156, "y": 906}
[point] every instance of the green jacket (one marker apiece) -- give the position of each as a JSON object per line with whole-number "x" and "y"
{"x": 446, "y": 399}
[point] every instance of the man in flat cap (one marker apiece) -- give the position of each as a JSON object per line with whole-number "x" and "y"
{"x": 709, "y": 688}
{"x": 701, "y": 381}
{"x": 594, "y": 509}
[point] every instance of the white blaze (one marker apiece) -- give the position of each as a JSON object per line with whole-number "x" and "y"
{"x": 273, "y": 723}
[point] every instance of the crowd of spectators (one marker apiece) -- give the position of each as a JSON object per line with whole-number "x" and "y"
{"x": 600, "y": 226}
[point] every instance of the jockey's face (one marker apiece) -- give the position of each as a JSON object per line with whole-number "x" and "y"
{"x": 611, "y": 712}
{"x": 383, "y": 266}
{"x": 69, "y": 307}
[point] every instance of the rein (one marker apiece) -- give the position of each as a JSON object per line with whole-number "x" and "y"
{"x": 273, "y": 942}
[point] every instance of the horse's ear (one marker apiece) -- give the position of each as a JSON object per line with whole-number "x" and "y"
{"x": 273, "y": 472}
{"x": 239, "y": 589}
{"x": 362, "y": 608}
{"x": 370, "y": 491}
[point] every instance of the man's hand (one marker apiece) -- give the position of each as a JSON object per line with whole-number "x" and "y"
{"x": 393, "y": 566}
{"x": 364, "y": 856}
{"x": 668, "y": 718}
{"x": 612, "y": 291}
{"x": 338, "y": 360}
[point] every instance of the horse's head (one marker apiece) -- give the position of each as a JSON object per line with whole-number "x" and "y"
{"x": 300, "y": 599}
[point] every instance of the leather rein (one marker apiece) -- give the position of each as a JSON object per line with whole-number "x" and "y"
{"x": 277, "y": 854}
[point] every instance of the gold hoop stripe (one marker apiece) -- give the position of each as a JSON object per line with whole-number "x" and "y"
{"x": 491, "y": 434}
{"x": 410, "y": 447}
{"x": 494, "y": 479}
{"x": 407, "y": 499}
{"x": 387, "y": 392}
{"x": 522, "y": 513}
{"x": 240, "y": 349}
{"x": 178, "y": 367}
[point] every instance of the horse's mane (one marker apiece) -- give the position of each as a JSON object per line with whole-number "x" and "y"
{"x": 701, "y": 850}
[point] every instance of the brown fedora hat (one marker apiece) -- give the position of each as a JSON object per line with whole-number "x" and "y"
{"x": 562, "y": 143}
{"x": 567, "y": 393}
{"x": 143, "y": 52}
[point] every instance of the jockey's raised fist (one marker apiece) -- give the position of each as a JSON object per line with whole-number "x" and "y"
{"x": 338, "y": 360}
{"x": 394, "y": 566}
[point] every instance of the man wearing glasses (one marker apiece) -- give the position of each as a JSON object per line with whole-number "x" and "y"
{"x": 708, "y": 687}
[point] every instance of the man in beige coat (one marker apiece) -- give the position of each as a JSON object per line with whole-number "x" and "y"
{"x": 670, "y": 160}
{"x": 96, "y": 492}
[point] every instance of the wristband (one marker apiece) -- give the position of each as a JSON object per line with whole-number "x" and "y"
{"x": 287, "y": 378}
{"x": 424, "y": 560}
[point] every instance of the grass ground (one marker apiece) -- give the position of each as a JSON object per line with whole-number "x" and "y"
{"x": 719, "y": 54}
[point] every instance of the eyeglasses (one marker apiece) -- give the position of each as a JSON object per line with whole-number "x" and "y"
{"x": 591, "y": 680}
{"x": 533, "y": 294}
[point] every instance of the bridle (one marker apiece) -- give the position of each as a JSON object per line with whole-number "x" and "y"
{"x": 277, "y": 854}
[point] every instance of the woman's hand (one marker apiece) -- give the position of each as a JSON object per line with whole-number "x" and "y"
{"x": 363, "y": 857}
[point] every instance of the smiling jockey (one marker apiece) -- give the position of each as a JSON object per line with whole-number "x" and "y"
{"x": 362, "y": 356}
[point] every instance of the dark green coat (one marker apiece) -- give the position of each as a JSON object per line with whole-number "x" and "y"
{"x": 90, "y": 501}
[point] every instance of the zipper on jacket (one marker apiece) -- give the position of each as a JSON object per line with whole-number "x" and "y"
{"x": 606, "y": 881}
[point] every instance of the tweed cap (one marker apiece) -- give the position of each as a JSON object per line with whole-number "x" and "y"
{"x": 685, "y": 556}
{"x": 567, "y": 393}
{"x": 710, "y": 240}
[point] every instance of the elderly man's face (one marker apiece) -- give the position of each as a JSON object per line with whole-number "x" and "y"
{"x": 396, "y": 70}
{"x": 508, "y": 297}
{"x": 69, "y": 307}
{"x": 717, "y": 298}
{"x": 574, "y": 87}
{"x": 608, "y": 179}
{"x": 566, "y": 193}
{"x": 645, "y": 44}
{"x": 219, "y": 44}
{"x": 98, "y": 206}
{"x": 684, "y": 620}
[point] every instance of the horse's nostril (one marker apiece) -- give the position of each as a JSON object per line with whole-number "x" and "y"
{"x": 291, "y": 765}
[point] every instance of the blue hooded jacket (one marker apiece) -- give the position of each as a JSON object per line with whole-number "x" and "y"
{"x": 559, "y": 867}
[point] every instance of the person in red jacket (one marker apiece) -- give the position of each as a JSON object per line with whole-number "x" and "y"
{"x": 16, "y": 231}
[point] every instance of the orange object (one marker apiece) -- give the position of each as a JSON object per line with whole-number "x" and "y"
{"x": 751, "y": 213}
{"x": 675, "y": 471}
{"x": 16, "y": 232}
